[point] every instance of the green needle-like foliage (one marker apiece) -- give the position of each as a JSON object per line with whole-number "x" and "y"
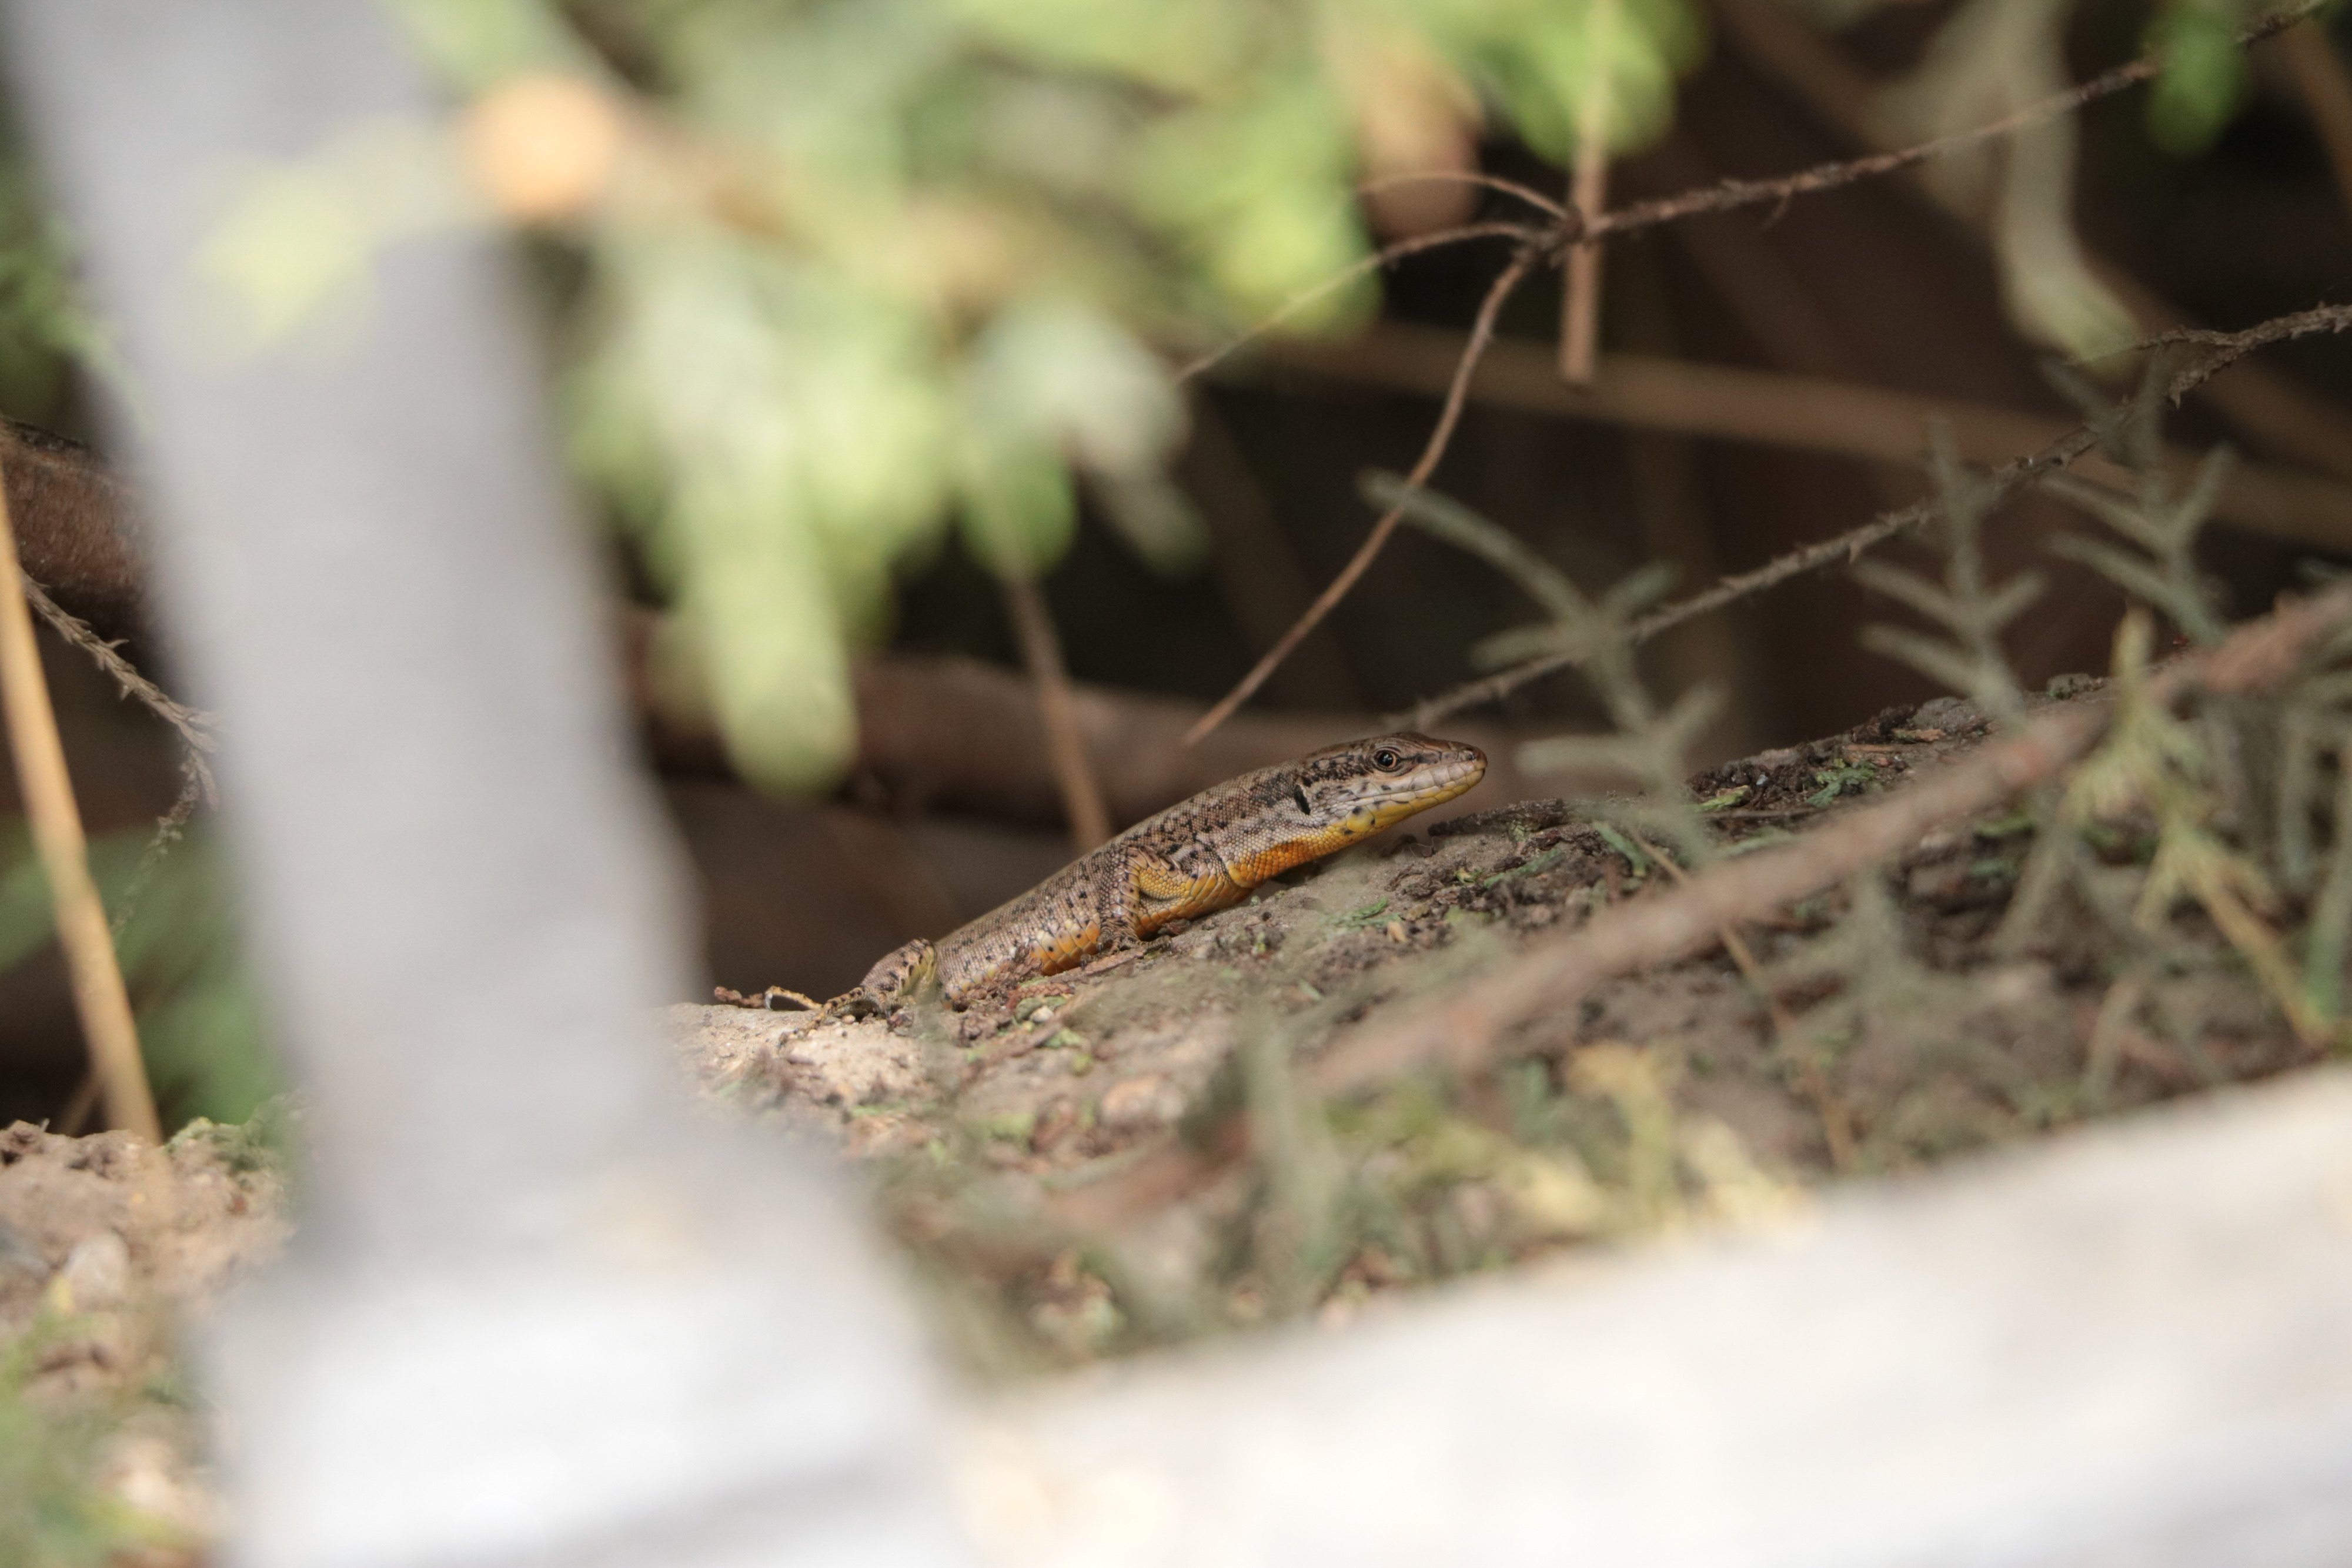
{"x": 2159, "y": 567}
{"x": 1971, "y": 610}
{"x": 1651, "y": 747}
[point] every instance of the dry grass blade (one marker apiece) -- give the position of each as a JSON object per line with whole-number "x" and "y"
{"x": 99, "y": 994}
{"x": 1041, "y": 650}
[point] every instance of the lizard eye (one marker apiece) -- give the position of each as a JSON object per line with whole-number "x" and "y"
{"x": 1386, "y": 759}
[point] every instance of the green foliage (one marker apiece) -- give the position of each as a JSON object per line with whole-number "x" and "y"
{"x": 1970, "y": 608}
{"x": 43, "y": 328}
{"x": 1846, "y": 777}
{"x": 2205, "y": 74}
{"x": 199, "y": 1022}
{"x": 1649, "y": 746}
{"x": 868, "y": 265}
{"x": 54, "y": 1514}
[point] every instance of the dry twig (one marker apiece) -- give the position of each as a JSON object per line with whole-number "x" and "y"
{"x": 1482, "y": 332}
{"x": 1041, "y": 650}
{"x": 193, "y": 724}
{"x": 1580, "y": 300}
{"x": 55, "y": 820}
{"x": 2266, "y": 405}
{"x": 194, "y": 727}
{"x": 1730, "y": 194}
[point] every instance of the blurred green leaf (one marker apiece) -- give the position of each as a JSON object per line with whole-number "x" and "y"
{"x": 869, "y": 270}
{"x": 2204, "y": 77}
{"x": 199, "y": 1024}
{"x": 1018, "y": 509}
{"x": 476, "y": 42}
{"x": 295, "y": 241}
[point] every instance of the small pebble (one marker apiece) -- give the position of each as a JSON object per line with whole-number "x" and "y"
{"x": 96, "y": 1273}
{"x": 1150, "y": 1100}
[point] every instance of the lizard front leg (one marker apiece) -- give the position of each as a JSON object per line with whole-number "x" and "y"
{"x": 1162, "y": 889}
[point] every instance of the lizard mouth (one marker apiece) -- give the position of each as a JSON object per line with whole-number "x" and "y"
{"x": 1432, "y": 783}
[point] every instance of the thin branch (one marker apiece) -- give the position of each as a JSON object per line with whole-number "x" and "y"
{"x": 1729, "y": 194}
{"x": 169, "y": 827}
{"x": 1466, "y": 1026}
{"x": 1573, "y": 230}
{"x": 1387, "y": 255}
{"x": 1527, "y": 193}
{"x": 1482, "y": 332}
{"x": 1041, "y": 650}
{"x": 193, "y": 725}
{"x": 2278, "y": 330}
{"x": 2266, "y": 405}
{"x": 1845, "y": 546}
{"x": 2229, "y": 348}
{"x": 55, "y": 820}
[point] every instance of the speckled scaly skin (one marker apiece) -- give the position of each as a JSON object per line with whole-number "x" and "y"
{"x": 1190, "y": 859}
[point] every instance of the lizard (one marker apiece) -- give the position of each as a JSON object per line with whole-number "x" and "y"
{"x": 1202, "y": 855}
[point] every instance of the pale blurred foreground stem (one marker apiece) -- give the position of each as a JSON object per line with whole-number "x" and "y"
{"x": 99, "y": 995}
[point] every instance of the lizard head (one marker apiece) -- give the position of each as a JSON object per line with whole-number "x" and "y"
{"x": 1364, "y": 786}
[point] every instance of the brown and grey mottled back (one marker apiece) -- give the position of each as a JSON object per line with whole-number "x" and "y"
{"x": 1190, "y": 859}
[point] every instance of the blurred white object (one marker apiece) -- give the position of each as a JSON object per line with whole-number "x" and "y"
{"x": 2125, "y": 1348}
{"x": 534, "y": 1315}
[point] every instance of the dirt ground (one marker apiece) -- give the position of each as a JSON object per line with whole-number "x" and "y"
{"x": 1120, "y": 1157}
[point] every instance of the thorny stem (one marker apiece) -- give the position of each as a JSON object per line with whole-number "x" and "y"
{"x": 193, "y": 727}
{"x": 1570, "y": 229}
{"x": 1729, "y": 195}
{"x": 2001, "y": 483}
